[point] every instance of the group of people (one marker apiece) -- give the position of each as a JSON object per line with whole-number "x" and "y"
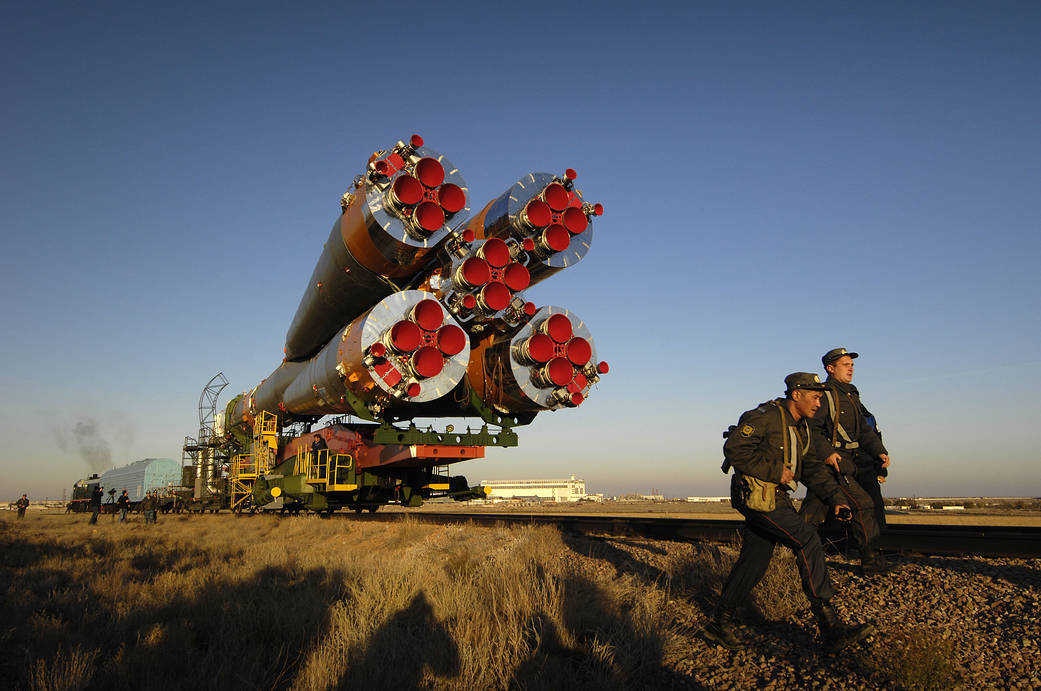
{"x": 819, "y": 434}
{"x": 149, "y": 505}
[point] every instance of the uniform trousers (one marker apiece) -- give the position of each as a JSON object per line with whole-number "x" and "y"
{"x": 862, "y": 525}
{"x": 867, "y": 477}
{"x": 761, "y": 532}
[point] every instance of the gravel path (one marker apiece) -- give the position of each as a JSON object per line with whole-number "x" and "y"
{"x": 943, "y": 622}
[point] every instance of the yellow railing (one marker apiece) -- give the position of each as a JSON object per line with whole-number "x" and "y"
{"x": 330, "y": 469}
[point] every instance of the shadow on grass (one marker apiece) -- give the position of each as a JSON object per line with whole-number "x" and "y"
{"x": 223, "y": 631}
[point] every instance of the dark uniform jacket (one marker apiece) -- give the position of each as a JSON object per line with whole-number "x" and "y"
{"x": 123, "y": 502}
{"x": 851, "y": 416}
{"x": 756, "y": 447}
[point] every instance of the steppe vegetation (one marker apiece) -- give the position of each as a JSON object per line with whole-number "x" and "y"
{"x": 308, "y": 603}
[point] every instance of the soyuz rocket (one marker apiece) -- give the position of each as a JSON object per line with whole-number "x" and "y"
{"x": 415, "y": 309}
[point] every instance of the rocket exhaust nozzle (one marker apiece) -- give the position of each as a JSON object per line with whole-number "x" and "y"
{"x": 427, "y": 362}
{"x": 538, "y": 349}
{"x": 451, "y": 340}
{"x": 495, "y": 252}
{"x": 557, "y": 372}
{"x": 552, "y": 240}
{"x": 404, "y": 337}
{"x": 558, "y": 327}
{"x": 494, "y": 297}
{"x": 574, "y": 220}
{"x": 428, "y": 217}
{"x": 428, "y": 314}
{"x": 405, "y": 191}
{"x": 473, "y": 273}
{"x": 516, "y": 277}
{"x": 430, "y": 172}
{"x": 556, "y": 196}
{"x": 578, "y": 351}
{"x": 536, "y": 214}
{"x": 451, "y": 198}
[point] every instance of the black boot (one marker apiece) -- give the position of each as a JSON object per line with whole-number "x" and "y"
{"x": 721, "y": 629}
{"x": 836, "y": 635}
{"x": 872, "y": 562}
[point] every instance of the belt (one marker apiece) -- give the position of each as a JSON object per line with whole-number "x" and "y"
{"x": 847, "y": 446}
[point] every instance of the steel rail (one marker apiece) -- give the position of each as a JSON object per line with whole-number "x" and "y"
{"x": 950, "y": 540}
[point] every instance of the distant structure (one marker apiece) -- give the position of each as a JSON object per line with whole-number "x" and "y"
{"x": 709, "y": 500}
{"x": 567, "y": 489}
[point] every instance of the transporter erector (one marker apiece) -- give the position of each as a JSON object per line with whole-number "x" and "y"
{"x": 412, "y": 311}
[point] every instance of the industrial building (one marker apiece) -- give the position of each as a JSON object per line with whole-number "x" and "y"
{"x": 567, "y": 489}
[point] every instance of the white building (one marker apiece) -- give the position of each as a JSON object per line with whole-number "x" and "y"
{"x": 568, "y": 489}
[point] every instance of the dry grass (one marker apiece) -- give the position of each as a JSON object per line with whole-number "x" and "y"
{"x": 307, "y": 603}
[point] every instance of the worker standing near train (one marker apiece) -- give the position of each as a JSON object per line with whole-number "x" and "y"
{"x": 772, "y": 449}
{"x": 843, "y": 427}
{"x": 95, "y": 503}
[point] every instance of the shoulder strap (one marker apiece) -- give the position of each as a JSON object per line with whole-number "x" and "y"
{"x": 836, "y": 426}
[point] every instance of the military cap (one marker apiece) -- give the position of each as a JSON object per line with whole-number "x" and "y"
{"x": 834, "y": 354}
{"x": 803, "y": 380}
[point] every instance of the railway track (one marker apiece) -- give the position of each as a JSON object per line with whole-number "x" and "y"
{"x": 950, "y": 540}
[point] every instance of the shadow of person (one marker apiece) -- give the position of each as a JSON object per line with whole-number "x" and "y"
{"x": 622, "y": 561}
{"x": 400, "y": 652}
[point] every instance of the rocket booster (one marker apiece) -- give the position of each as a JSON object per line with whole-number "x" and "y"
{"x": 409, "y": 303}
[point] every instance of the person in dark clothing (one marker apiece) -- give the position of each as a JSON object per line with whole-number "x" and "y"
{"x": 771, "y": 449}
{"x": 847, "y": 441}
{"x": 320, "y": 460}
{"x": 95, "y": 503}
{"x": 22, "y": 504}
{"x": 123, "y": 504}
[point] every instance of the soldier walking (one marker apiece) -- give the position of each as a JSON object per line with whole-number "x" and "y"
{"x": 22, "y": 504}
{"x": 843, "y": 429}
{"x": 771, "y": 449}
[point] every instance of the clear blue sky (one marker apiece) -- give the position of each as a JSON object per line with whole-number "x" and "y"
{"x": 777, "y": 180}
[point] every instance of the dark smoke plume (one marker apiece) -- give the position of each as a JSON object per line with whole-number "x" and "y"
{"x": 88, "y": 442}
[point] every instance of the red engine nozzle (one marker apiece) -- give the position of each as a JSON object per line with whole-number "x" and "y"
{"x": 427, "y": 362}
{"x": 405, "y": 336}
{"x": 578, "y": 351}
{"x": 451, "y": 340}
{"x": 556, "y": 196}
{"x": 574, "y": 220}
{"x": 557, "y": 372}
{"x": 406, "y": 191}
{"x": 429, "y": 216}
{"x": 428, "y": 314}
{"x": 451, "y": 197}
{"x": 516, "y": 277}
{"x": 558, "y": 327}
{"x": 495, "y": 252}
{"x": 430, "y": 172}
{"x": 537, "y": 349}
{"x": 494, "y": 297}
{"x": 537, "y": 214}
{"x": 473, "y": 273}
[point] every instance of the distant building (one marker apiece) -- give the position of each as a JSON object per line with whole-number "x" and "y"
{"x": 568, "y": 489}
{"x": 714, "y": 500}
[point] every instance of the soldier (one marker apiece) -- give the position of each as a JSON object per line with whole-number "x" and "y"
{"x": 771, "y": 449}
{"x": 95, "y": 503}
{"x": 842, "y": 428}
{"x": 22, "y": 504}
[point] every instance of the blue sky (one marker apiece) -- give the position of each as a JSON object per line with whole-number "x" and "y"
{"x": 777, "y": 181}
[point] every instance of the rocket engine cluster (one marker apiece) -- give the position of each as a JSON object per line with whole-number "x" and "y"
{"x": 415, "y": 310}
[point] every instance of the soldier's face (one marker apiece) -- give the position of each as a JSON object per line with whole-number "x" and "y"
{"x": 842, "y": 369}
{"x": 807, "y": 402}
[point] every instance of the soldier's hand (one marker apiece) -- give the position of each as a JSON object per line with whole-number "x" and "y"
{"x": 881, "y": 479}
{"x": 843, "y": 512}
{"x": 833, "y": 461}
{"x": 885, "y": 460}
{"x": 787, "y": 475}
